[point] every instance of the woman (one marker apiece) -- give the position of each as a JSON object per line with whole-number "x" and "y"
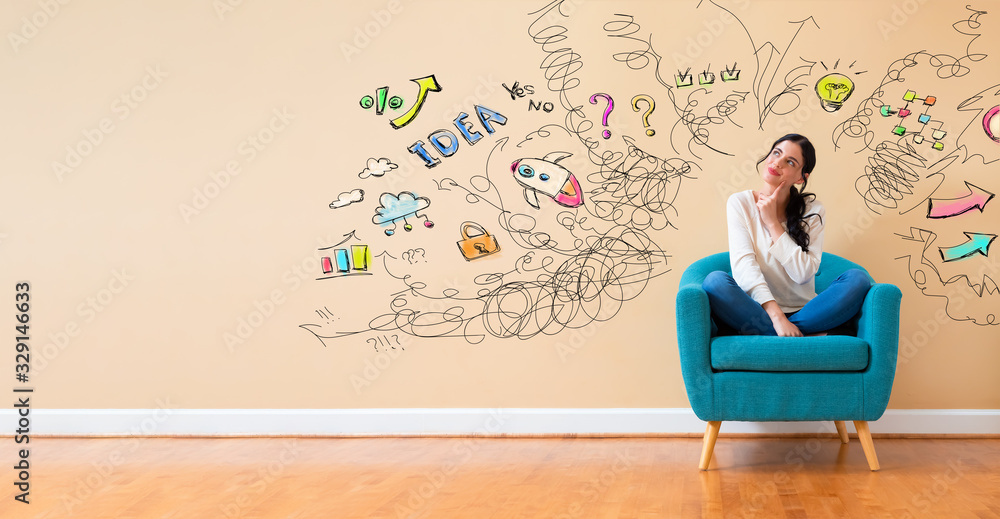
{"x": 775, "y": 247}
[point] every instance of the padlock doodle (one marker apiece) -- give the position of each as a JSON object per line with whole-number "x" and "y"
{"x": 475, "y": 246}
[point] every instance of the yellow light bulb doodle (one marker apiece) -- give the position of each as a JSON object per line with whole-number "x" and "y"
{"x": 645, "y": 117}
{"x": 833, "y": 89}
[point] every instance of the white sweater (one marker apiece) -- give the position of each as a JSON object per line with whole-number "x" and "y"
{"x": 782, "y": 271}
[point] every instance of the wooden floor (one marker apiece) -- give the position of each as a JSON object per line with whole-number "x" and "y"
{"x": 163, "y": 478}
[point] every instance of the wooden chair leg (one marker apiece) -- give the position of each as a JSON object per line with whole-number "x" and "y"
{"x": 865, "y": 436}
{"x": 711, "y": 434}
{"x": 842, "y": 431}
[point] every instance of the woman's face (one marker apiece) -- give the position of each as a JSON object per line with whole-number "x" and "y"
{"x": 784, "y": 164}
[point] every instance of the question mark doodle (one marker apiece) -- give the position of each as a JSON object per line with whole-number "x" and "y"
{"x": 607, "y": 111}
{"x": 645, "y": 117}
{"x": 411, "y": 255}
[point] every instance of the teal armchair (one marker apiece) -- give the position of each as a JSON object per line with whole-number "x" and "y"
{"x": 760, "y": 379}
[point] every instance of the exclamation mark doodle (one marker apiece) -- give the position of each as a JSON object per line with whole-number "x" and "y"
{"x": 380, "y": 99}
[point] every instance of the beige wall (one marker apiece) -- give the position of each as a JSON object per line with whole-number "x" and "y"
{"x": 136, "y": 282}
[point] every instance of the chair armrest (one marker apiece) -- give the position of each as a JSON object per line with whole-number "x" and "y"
{"x": 693, "y": 339}
{"x": 878, "y": 325}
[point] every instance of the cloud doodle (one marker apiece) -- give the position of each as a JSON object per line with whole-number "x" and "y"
{"x": 377, "y": 168}
{"x": 398, "y": 207}
{"x": 348, "y": 198}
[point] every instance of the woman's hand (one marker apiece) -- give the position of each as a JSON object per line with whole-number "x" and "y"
{"x": 767, "y": 207}
{"x": 782, "y": 325}
{"x": 785, "y": 328}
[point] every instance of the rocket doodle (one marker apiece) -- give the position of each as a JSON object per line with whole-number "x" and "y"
{"x": 546, "y": 176}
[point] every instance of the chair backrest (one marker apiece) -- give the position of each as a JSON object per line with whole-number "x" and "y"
{"x": 830, "y": 267}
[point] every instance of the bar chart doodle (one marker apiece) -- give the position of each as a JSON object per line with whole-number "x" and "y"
{"x": 351, "y": 261}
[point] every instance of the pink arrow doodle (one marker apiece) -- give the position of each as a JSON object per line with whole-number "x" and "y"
{"x": 948, "y": 207}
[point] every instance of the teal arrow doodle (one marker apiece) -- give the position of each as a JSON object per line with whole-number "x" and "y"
{"x": 978, "y": 243}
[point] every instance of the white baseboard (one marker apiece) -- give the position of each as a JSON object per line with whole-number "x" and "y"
{"x": 406, "y": 422}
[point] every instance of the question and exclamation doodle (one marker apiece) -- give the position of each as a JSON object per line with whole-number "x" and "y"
{"x": 645, "y": 116}
{"x": 607, "y": 111}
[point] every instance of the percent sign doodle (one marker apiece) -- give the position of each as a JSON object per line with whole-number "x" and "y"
{"x": 380, "y": 101}
{"x": 425, "y": 84}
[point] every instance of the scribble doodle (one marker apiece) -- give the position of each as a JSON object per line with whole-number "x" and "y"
{"x": 971, "y": 298}
{"x": 398, "y": 207}
{"x": 546, "y": 176}
{"x": 561, "y": 62}
{"x": 633, "y": 188}
{"x": 638, "y": 189}
{"x": 893, "y": 173}
{"x": 625, "y": 29}
{"x": 592, "y": 285}
{"x": 697, "y": 125}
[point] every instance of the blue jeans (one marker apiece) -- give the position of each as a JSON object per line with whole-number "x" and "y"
{"x": 830, "y": 308}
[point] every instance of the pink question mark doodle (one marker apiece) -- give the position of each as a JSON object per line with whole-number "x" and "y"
{"x": 607, "y": 111}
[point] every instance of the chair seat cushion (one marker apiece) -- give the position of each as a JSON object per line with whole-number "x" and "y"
{"x": 760, "y": 353}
